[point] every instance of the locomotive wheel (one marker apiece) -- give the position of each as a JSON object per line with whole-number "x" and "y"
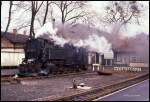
{"x": 54, "y": 72}
{"x": 69, "y": 70}
{"x": 65, "y": 70}
{"x": 60, "y": 71}
{"x": 76, "y": 68}
{"x": 84, "y": 68}
{"x": 51, "y": 68}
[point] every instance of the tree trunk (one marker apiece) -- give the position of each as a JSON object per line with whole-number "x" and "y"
{"x": 46, "y": 12}
{"x": 9, "y": 18}
{"x": 33, "y": 33}
{"x": 35, "y": 9}
{"x": 62, "y": 18}
{"x": 32, "y": 26}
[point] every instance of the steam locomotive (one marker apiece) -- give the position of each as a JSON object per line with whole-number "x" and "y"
{"x": 44, "y": 57}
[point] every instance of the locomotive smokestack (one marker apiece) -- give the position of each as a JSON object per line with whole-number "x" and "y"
{"x": 53, "y": 22}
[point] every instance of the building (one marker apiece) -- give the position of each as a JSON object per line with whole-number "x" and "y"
{"x": 129, "y": 58}
{"x": 12, "y": 45}
{"x": 96, "y": 61}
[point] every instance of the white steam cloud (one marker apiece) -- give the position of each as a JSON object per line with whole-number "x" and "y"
{"x": 93, "y": 42}
{"x": 47, "y": 28}
{"x": 48, "y": 32}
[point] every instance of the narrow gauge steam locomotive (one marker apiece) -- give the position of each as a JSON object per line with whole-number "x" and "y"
{"x": 44, "y": 57}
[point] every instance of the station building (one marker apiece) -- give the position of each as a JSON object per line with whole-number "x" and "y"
{"x": 12, "y": 45}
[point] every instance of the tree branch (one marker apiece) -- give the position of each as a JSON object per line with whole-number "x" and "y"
{"x": 79, "y": 15}
{"x": 23, "y": 26}
{"x": 46, "y": 12}
{"x": 39, "y": 7}
{"x": 125, "y": 21}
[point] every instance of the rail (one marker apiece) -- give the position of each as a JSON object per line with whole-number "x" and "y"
{"x": 12, "y": 79}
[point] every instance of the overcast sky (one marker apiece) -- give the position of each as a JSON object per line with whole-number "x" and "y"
{"x": 98, "y": 7}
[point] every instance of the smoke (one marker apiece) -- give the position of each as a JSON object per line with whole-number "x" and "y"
{"x": 138, "y": 44}
{"x": 49, "y": 33}
{"x": 47, "y": 28}
{"x": 95, "y": 39}
{"x": 76, "y": 35}
{"x": 95, "y": 43}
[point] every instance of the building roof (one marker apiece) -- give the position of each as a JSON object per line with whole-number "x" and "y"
{"x": 15, "y": 38}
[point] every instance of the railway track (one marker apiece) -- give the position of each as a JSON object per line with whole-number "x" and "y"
{"x": 99, "y": 92}
{"x": 9, "y": 71}
{"x": 10, "y": 78}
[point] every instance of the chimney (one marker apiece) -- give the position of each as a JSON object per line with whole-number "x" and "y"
{"x": 15, "y": 31}
{"x": 53, "y": 21}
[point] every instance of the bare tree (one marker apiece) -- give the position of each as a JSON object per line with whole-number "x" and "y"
{"x": 25, "y": 8}
{"x": 23, "y": 25}
{"x": 46, "y": 11}
{"x": 122, "y": 12}
{"x": 34, "y": 9}
{"x": 9, "y": 17}
{"x": 67, "y": 9}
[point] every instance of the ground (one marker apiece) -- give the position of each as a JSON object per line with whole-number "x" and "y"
{"x": 57, "y": 87}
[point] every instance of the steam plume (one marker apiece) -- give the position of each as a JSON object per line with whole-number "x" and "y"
{"x": 91, "y": 41}
{"x": 95, "y": 39}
